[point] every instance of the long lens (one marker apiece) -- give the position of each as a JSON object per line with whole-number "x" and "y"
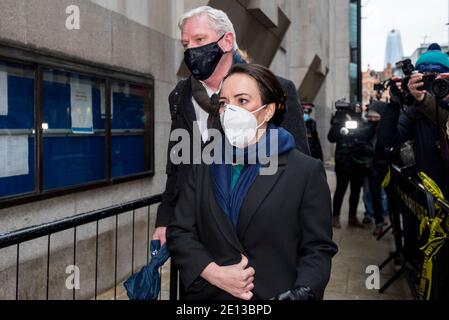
{"x": 440, "y": 88}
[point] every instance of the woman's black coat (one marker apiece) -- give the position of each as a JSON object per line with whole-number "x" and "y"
{"x": 284, "y": 230}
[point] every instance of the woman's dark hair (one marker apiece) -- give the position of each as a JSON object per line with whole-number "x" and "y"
{"x": 269, "y": 87}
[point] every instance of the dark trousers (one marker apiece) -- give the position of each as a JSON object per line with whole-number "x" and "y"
{"x": 376, "y": 175}
{"x": 355, "y": 179}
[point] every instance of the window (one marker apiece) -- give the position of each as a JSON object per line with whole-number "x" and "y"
{"x": 66, "y": 127}
{"x": 128, "y": 129}
{"x": 73, "y": 131}
{"x": 17, "y": 134}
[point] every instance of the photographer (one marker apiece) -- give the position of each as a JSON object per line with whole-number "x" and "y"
{"x": 312, "y": 132}
{"x": 353, "y": 157}
{"x": 405, "y": 121}
{"x": 378, "y": 169}
{"x": 435, "y": 110}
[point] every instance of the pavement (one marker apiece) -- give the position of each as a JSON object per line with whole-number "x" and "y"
{"x": 359, "y": 250}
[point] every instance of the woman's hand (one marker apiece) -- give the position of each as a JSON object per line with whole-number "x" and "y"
{"x": 237, "y": 279}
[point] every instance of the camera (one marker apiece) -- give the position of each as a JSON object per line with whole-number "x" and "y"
{"x": 440, "y": 88}
{"x": 379, "y": 87}
{"x": 342, "y": 105}
{"x": 406, "y": 66}
{"x": 428, "y": 80}
{"x": 349, "y": 125}
{"x": 408, "y": 69}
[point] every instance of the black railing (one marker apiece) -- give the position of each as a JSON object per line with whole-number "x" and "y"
{"x": 17, "y": 238}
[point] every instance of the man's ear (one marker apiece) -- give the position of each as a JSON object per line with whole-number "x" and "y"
{"x": 228, "y": 42}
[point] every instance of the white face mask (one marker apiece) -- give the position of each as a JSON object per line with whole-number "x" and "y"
{"x": 240, "y": 125}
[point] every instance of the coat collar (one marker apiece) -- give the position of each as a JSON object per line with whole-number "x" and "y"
{"x": 187, "y": 108}
{"x": 223, "y": 222}
{"x": 256, "y": 195}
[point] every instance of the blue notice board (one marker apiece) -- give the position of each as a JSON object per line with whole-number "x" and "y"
{"x": 73, "y": 159}
{"x": 20, "y": 116}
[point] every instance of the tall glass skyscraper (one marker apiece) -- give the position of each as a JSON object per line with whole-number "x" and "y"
{"x": 394, "y": 51}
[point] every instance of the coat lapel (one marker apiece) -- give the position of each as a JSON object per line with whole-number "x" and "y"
{"x": 187, "y": 108}
{"x": 223, "y": 222}
{"x": 256, "y": 195}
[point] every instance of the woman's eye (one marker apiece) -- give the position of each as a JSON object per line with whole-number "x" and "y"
{"x": 242, "y": 101}
{"x": 222, "y": 104}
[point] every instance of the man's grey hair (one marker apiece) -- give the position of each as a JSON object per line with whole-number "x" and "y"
{"x": 219, "y": 20}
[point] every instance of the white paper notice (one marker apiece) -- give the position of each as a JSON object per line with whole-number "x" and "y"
{"x": 81, "y": 107}
{"x": 3, "y": 93}
{"x": 13, "y": 156}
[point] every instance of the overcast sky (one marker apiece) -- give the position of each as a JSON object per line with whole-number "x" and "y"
{"x": 415, "y": 19}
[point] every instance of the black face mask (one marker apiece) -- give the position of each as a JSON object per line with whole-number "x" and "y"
{"x": 203, "y": 60}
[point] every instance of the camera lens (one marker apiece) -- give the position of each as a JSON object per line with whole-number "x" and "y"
{"x": 344, "y": 131}
{"x": 427, "y": 79}
{"x": 440, "y": 88}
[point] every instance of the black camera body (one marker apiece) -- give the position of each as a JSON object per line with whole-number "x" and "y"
{"x": 428, "y": 80}
{"x": 379, "y": 87}
{"x": 406, "y": 66}
{"x": 342, "y": 105}
{"x": 438, "y": 87}
{"x": 348, "y": 125}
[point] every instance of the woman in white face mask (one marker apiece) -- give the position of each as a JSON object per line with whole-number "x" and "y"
{"x": 239, "y": 234}
{"x": 243, "y": 117}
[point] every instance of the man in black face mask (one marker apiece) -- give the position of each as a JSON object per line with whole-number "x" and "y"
{"x": 209, "y": 40}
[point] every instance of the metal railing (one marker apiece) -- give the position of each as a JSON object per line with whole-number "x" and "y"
{"x": 16, "y": 238}
{"x": 406, "y": 219}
